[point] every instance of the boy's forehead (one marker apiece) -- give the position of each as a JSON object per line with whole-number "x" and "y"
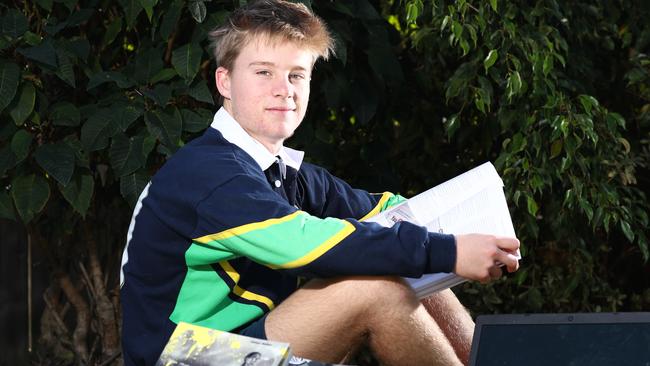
{"x": 264, "y": 49}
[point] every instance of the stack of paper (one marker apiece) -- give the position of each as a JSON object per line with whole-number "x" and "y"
{"x": 472, "y": 202}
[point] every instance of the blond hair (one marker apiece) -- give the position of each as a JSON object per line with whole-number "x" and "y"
{"x": 274, "y": 21}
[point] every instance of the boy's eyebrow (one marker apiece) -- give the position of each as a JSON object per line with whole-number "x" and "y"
{"x": 268, "y": 63}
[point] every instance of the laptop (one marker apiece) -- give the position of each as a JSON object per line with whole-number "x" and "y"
{"x": 590, "y": 339}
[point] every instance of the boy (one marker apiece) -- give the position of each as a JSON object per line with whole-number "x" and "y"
{"x": 225, "y": 231}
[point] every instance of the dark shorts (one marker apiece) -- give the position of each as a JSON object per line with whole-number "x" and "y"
{"x": 254, "y": 329}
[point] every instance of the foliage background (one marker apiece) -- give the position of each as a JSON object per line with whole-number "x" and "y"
{"x": 96, "y": 94}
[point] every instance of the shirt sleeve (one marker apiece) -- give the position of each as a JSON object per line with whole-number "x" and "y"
{"x": 325, "y": 195}
{"x": 245, "y": 217}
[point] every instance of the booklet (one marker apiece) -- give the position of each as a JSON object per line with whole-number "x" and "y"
{"x": 197, "y": 345}
{"x": 472, "y": 202}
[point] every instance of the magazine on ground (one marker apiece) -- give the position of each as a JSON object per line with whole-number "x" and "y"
{"x": 192, "y": 344}
{"x": 472, "y": 202}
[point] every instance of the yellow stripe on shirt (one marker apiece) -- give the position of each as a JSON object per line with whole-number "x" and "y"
{"x": 245, "y": 294}
{"x": 378, "y": 208}
{"x": 319, "y": 250}
{"x": 240, "y": 230}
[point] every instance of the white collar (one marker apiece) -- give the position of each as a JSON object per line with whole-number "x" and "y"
{"x": 235, "y": 134}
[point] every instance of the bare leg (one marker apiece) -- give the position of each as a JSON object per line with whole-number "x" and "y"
{"x": 327, "y": 318}
{"x": 453, "y": 319}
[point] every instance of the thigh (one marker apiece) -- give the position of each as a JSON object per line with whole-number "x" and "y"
{"x": 325, "y": 319}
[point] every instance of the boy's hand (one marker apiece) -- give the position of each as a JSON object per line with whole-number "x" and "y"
{"x": 479, "y": 256}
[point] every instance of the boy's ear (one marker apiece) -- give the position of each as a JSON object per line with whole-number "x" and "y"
{"x": 222, "y": 78}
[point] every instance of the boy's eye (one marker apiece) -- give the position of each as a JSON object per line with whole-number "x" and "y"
{"x": 264, "y": 72}
{"x": 297, "y": 76}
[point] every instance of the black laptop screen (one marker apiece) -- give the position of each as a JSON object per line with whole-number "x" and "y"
{"x": 564, "y": 344}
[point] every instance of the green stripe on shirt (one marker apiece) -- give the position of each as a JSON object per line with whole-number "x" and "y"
{"x": 287, "y": 242}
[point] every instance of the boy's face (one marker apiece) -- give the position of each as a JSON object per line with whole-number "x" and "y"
{"x": 267, "y": 90}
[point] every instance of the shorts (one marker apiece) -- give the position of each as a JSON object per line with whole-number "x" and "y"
{"x": 254, "y": 329}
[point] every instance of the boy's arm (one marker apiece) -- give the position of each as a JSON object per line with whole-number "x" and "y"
{"x": 246, "y": 218}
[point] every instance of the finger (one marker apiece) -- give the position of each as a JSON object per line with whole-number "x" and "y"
{"x": 507, "y": 243}
{"x": 508, "y": 259}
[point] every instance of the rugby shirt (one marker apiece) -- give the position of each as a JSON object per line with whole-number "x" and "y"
{"x": 214, "y": 240}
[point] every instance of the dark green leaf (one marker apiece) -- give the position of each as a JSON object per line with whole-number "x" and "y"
{"x": 7, "y": 159}
{"x": 457, "y": 29}
{"x": 7, "y": 130}
{"x": 14, "y": 23}
{"x": 485, "y": 91}
{"x": 66, "y": 70}
{"x": 556, "y": 148}
{"x": 445, "y": 22}
{"x": 23, "y": 105}
{"x": 20, "y": 145}
{"x": 343, "y": 7}
{"x": 514, "y": 84}
{"x": 148, "y": 5}
{"x": 125, "y": 114}
{"x": 4, "y": 43}
{"x": 197, "y": 9}
{"x": 6, "y": 206}
{"x": 108, "y": 76}
{"x": 493, "y": 4}
{"x": 170, "y": 19}
{"x": 196, "y": 121}
{"x": 126, "y": 154}
{"x": 79, "y": 193}
{"x": 81, "y": 156}
{"x": 164, "y": 75}
{"x": 186, "y": 61}
{"x": 452, "y": 124}
{"x": 70, "y": 4}
{"x": 148, "y": 145}
{"x": 627, "y": 230}
{"x": 200, "y": 92}
{"x": 132, "y": 9}
{"x": 459, "y": 80}
{"x": 132, "y": 185}
{"x": 465, "y": 46}
{"x": 112, "y": 30}
{"x": 30, "y": 194}
{"x": 384, "y": 63}
{"x": 532, "y": 205}
{"x": 57, "y": 160}
{"x": 9, "y": 76}
{"x": 519, "y": 142}
{"x": 413, "y": 10}
{"x": 79, "y": 48}
{"x": 98, "y": 129}
{"x": 490, "y": 59}
{"x": 43, "y": 53}
{"x": 53, "y": 26}
{"x": 635, "y": 75}
{"x": 45, "y": 4}
{"x": 65, "y": 114}
{"x": 80, "y": 16}
{"x": 586, "y": 208}
{"x": 588, "y": 102}
{"x": 548, "y": 64}
{"x": 148, "y": 63}
{"x": 160, "y": 94}
{"x": 32, "y": 39}
{"x": 166, "y": 126}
